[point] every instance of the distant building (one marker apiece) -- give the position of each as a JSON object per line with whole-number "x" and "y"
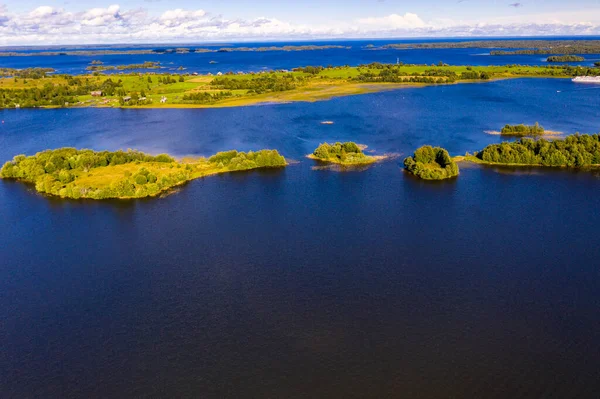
{"x": 127, "y": 98}
{"x": 97, "y": 93}
{"x": 163, "y": 100}
{"x": 195, "y": 74}
{"x": 220, "y": 74}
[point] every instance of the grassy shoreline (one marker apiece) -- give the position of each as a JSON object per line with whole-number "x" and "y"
{"x": 154, "y": 90}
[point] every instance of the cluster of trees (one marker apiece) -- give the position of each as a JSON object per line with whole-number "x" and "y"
{"x": 574, "y": 151}
{"x": 28, "y": 73}
{"x": 234, "y": 160}
{"x": 49, "y": 94}
{"x": 167, "y": 80}
{"x": 205, "y": 97}
{"x": 312, "y": 70}
{"x": 348, "y": 152}
{"x": 565, "y": 58}
{"x": 474, "y": 75}
{"x": 259, "y": 84}
{"x": 391, "y": 73}
{"x": 431, "y": 163}
{"x": 55, "y": 172}
{"x": 523, "y": 130}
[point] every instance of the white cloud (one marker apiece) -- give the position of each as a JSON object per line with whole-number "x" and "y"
{"x": 394, "y": 21}
{"x": 48, "y": 25}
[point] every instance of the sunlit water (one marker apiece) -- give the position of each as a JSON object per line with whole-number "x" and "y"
{"x": 302, "y": 283}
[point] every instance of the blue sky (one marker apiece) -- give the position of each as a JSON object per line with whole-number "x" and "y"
{"x": 96, "y": 21}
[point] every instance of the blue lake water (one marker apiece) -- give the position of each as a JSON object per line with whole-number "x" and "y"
{"x": 358, "y": 53}
{"x": 299, "y": 283}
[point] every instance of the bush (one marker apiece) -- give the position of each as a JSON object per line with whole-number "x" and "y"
{"x": 140, "y": 179}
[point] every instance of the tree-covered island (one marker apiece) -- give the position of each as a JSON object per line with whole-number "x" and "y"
{"x": 431, "y": 163}
{"x": 347, "y": 154}
{"x": 565, "y": 58}
{"x": 578, "y": 150}
{"x": 523, "y": 130}
{"x": 72, "y": 173}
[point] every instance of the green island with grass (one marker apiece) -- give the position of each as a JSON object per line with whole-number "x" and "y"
{"x": 346, "y": 154}
{"x": 72, "y": 173}
{"x": 575, "y": 151}
{"x": 40, "y": 88}
{"x": 431, "y": 163}
{"x": 565, "y": 58}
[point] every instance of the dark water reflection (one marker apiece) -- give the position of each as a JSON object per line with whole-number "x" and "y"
{"x": 301, "y": 283}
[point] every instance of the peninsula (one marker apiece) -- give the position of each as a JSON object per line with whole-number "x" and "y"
{"x": 347, "y": 154}
{"x": 72, "y": 173}
{"x": 34, "y": 88}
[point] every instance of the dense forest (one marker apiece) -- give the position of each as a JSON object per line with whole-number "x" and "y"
{"x": 565, "y": 58}
{"x": 523, "y": 130}
{"x": 575, "y": 151}
{"x": 431, "y": 163}
{"x": 343, "y": 153}
{"x": 72, "y": 173}
{"x": 260, "y": 83}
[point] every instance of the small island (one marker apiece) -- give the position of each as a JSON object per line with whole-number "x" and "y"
{"x": 565, "y": 58}
{"x": 72, "y": 173}
{"x": 346, "y": 154}
{"x": 431, "y": 163}
{"x": 523, "y": 130}
{"x": 578, "y": 150}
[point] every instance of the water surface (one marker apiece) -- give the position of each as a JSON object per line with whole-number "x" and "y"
{"x": 301, "y": 283}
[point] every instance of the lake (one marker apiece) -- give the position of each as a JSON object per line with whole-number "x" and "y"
{"x": 356, "y": 52}
{"x": 298, "y": 282}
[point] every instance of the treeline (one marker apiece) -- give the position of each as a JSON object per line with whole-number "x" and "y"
{"x": 259, "y": 84}
{"x": 523, "y": 130}
{"x": 575, "y": 151}
{"x": 27, "y": 73}
{"x": 234, "y": 160}
{"x": 565, "y": 58}
{"x": 205, "y": 97}
{"x": 431, "y": 163}
{"x": 390, "y": 73}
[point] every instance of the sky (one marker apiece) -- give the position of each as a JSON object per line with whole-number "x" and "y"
{"x": 43, "y": 22}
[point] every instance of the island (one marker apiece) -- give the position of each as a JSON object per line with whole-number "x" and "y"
{"x": 576, "y": 151}
{"x": 565, "y": 58}
{"x": 72, "y": 173}
{"x": 37, "y": 88}
{"x": 519, "y": 47}
{"x": 523, "y": 130}
{"x": 431, "y": 163}
{"x": 346, "y": 154}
